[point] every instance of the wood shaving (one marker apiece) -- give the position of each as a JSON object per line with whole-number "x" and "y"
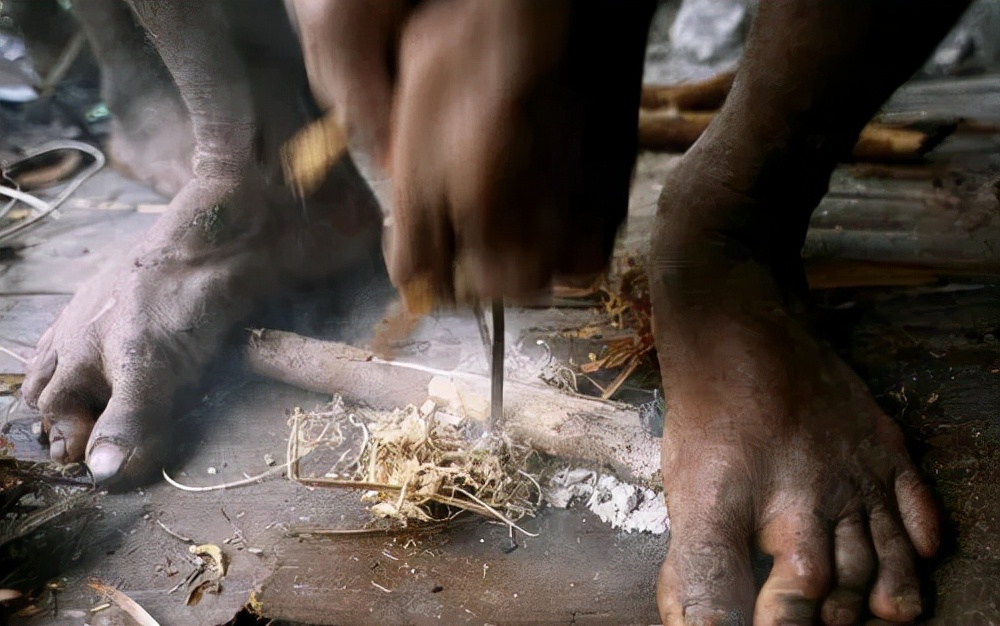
{"x": 127, "y": 604}
{"x": 311, "y": 153}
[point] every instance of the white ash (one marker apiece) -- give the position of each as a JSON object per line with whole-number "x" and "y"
{"x": 623, "y": 505}
{"x": 569, "y": 484}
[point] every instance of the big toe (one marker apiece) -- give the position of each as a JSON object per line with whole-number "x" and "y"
{"x": 107, "y": 459}
{"x": 800, "y": 544}
{"x": 126, "y": 442}
{"x": 706, "y": 579}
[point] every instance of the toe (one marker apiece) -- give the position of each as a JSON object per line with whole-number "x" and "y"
{"x": 800, "y": 577}
{"x": 854, "y": 566}
{"x": 896, "y": 594}
{"x": 107, "y": 459}
{"x": 40, "y": 370}
{"x": 919, "y": 513}
{"x": 71, "y": 398}
{"x": 126, "y": 441}
{"x": 706, "y": 579}
{"x": 68, "y": 431}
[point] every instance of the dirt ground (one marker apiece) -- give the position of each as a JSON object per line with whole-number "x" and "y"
{"x": 929, "y": 352}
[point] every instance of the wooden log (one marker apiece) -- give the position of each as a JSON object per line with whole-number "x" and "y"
{"x": 673, "y": 131}
{"x": 894, "y": 145}
{"x": 550, "y": 421}
{"x": 700, "y": 95}
{"x": 677, "y": 131}
{"x": 915, "y": 102}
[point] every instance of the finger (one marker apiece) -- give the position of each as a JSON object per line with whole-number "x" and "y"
{"x": 918, "y": 512}
{"x": 801, "y": 575}
{"x": 421, "y": 245}
{"x": 896, "y": 594}
{"x": 348, "y": 47}
{"x": 854, "y": 566}
{"x": 420, "y": 252}
{"x": 511, "y": 273}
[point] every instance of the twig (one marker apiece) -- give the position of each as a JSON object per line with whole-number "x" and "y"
{"x": 496, "y": 513}
{"x": 63, "y": 63}
{"x": 621, "y": 378}
{"x": 538, "y": 488}
{"x": 13, "y": 355}
{"x": 173, "y": 534}
{"x": 351, "y": 484}
{"x": 126, "y": 603}
{"x": 334, "y": 532}
{"x": 235, "y": 483}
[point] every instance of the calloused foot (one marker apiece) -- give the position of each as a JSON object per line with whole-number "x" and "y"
{"x": 106, "y": 375}
{"x": 771, "y": 443}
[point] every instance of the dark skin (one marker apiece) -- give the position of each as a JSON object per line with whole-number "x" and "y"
{"x": 510, "y": 136}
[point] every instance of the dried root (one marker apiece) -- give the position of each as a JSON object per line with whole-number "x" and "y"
{"x": 414, "y": 464}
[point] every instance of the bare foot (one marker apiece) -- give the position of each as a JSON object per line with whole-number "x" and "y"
{"x": 771, "y": 443}
{"x": 153, "y": 143}
{"x": 105, "y": 376}
{"x": 152, "y": 139}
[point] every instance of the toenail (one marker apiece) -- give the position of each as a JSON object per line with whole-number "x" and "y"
{"x": 795, "y": 610}
{"x": 701, "y": 616}
{"x": 57, "y": 448}
{"x": 105, "y": 461}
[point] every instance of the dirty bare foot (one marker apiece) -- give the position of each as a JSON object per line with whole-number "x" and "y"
{"x": 771, "y": 443}
{"x": 152, "y": 140}
{"x": 106, "y": 375}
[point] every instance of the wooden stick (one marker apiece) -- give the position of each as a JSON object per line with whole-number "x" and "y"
{"x": 678, "y": 130}
{"x": 887, "y": 144}
{"x": 548, "y": 420}
{"x": 672, "y": 131}
{"x": 695, "y": 96}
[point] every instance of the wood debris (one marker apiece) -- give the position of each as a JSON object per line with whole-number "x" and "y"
{"x": 628, "y": 308}
{"x": 415, "y": 464}
{"x": 672, "y": 117}
{"x": 127, "y": 604}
